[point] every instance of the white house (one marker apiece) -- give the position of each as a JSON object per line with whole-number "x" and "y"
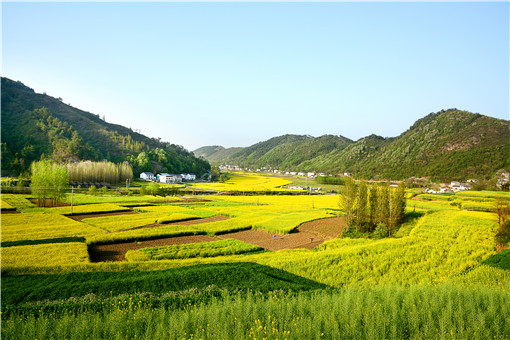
{"x": 322, "y": 174}
{"x": 472, "y": 180}
{"x": 169, "y": 178}
{"x": 301, "y": 174}
{"x": 147, "y": 176}
{"x": 347, "y": 174}
{"x": 189, "y": 177}
{"x": 311, "y": 174}
{"x": 164, "y": 178}
{"x": 293, "y": 173}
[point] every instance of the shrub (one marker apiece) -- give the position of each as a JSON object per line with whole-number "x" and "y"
{"x": 381, "y": 231}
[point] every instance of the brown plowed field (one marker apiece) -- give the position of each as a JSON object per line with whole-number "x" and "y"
{"x": 117, "y": 251}
{"x": 309, "y": 235}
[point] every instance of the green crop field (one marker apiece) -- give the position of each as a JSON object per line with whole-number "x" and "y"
{"x": 439, "y": 276}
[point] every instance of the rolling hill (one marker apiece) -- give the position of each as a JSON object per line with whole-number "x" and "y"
{"x": 447, "y": 145}
{"x": 37, "y": 125}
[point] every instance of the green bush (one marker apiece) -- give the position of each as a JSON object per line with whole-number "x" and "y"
{"x": 381, "y": 231}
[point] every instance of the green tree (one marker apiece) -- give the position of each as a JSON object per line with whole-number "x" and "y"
{"x": 361, "y": 207}
{"x": 347, "y": 198}
{"x": 373, "y": 202}
{"x": 49, "y": 181}
{"x": 384, "y": 204}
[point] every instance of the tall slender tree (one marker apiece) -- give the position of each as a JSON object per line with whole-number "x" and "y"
{"x": 373, "y": 202}
{"x": 347, "y": 198}
{"x": 361, "y": 207}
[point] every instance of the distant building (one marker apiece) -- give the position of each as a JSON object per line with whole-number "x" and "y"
{"x": 472, "y": 180}
{"x": 188, "y": 177}
{"x": 347, "y": 174}
{"x": 147, "y": 176}
{"x": 301, "y": 174}
{"x": 170, "y": 178}
{"x": 311, "y": 174}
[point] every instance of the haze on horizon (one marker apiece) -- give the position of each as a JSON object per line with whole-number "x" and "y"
{"x": 236, "y": 73}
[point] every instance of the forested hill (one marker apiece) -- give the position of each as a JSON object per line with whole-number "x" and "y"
{"x": 215, "y": 153}
{"x": 447, "y": 145}
{"x": 35, "y": 125}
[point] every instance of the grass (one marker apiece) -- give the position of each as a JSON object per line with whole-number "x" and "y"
{"x": 377, "y": 313}
{"x": 500, "y": 260}
{"x": 231, "y": 276}
{"x": 193, "y": 250}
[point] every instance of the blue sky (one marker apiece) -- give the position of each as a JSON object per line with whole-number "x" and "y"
{"x": 236, "y": 73}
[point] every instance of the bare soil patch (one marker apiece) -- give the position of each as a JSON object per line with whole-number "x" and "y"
{"x": 48, "y": 203}
{"x": 309, "y": 235}
{"x": 14, "y": 211}
{"x": 200, "y": 220}
{"x": 117, "y": 251}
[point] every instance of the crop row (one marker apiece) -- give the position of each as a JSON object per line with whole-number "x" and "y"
{"x": 4, "y": 206}
{"x": 18, "y": 201}
{"x": 382, "y": 313}
{"x": 88, "y": 209}
{"x": 39, "y": 226}
{"x": 183, "y": 251}
{"x": 40, "y": 255}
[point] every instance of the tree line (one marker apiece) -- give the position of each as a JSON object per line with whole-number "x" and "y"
{"x": 378, "y": 209}
{"x": 50, "y": 181}
{"x": 99, "y": 172}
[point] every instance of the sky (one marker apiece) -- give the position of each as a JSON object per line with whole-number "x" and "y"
{"x": 237, "y": 73}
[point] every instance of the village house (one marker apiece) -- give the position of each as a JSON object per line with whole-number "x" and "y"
{"x": 169, "y": 178}
{"x": 347, "y": 174}
{"x": 311, "y": 174}
{"x": 322, "y": 174}
{"x": 147, "y": 176}
{"x": 301, "y": 174}
{"x": 188, "y": 177}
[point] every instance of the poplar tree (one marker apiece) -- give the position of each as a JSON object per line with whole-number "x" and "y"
{"x": 361, "y": 207}
{"x": 373, "y": 202}
{"x": 347, "y": 198}
{"x": 384, "y": 204}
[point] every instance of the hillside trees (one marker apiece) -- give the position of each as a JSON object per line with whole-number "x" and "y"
{"x": 367, "y": 208}
{"x": 49, "y": 181}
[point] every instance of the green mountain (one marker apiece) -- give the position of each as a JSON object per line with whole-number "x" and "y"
{"x": 37, "y": 125}
{"x": 215, "y": 153}
{"x": 447, "y": 145}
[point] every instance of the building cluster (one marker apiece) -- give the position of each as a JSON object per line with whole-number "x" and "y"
{"x": 454, "y": 186}
{"x": 228, "y": 167}
{"x": 167, "y": 178}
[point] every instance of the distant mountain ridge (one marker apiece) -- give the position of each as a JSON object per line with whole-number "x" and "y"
{"x": 447, "y": 145}
{"x": 35, "y": 125}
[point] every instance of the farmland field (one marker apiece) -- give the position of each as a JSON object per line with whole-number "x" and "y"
{"x": 251, "y": 267}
